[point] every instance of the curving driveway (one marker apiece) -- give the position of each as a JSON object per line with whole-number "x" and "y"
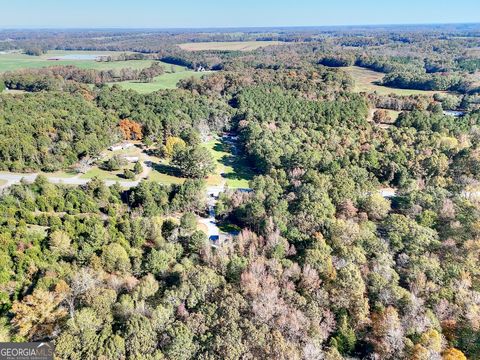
{"x": 210, "y": 222}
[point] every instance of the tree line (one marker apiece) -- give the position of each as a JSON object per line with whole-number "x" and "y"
{"x": 54, "y": 77}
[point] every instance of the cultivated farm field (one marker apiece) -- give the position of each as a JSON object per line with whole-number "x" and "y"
{"x": 228, "y": 45}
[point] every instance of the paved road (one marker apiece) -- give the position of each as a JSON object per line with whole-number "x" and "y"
{"x": 212, "y": 191}
{"x": 15, "y": 178}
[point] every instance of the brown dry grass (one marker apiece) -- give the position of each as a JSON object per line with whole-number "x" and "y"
{"x": 365, "y": 82}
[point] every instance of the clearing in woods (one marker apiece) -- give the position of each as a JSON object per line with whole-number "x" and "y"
{"x": 168, "y": 80}
{"x": 365, "y": 81}
{"x": 227, "y": 45}
{"x": 393, "y": 114}
{"x": 231, "y": 165}
{"x": 86, "y": 60}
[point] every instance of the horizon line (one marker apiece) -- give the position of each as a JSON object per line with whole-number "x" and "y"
{"x": 43, "y": 27}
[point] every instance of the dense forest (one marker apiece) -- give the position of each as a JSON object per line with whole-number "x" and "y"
{"x": 51, "y": 130}
{"x": 322, "y": 264}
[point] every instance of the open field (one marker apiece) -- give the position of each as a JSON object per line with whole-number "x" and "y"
{"x": 227, "y": 45}
{"x": 234, "y": 168}
{"x": 365, "y": 82}
{"x": 17, "y": 61}
{"x": 103, "y": 174}
{"x": 161, "y": 175}
{"x": 60, "y": 174}
{"x": 117, "y": 175}
{"x": 168, "y": 80}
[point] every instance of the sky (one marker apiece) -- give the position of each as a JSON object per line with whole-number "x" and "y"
{"x": 239, "y": 13}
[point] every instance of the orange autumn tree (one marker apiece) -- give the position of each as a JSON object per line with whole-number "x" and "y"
{"x": 131, "y": 130}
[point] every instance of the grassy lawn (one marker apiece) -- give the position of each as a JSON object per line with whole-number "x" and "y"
{"x": 165, "y": 81}
{"x": 392, "y": 113}
{"x": 131, "y": 151}
{"x": 227, "y": 45}
{"x": 60, "y": 174}
{"x": 365, "y": 82}
{"x": 95, "y": 171}
{"x": 17, "y": 61}
{"x": 102, "y": 174}
{"x": 235, "y": 169}
{"x": 218, "y": 153}
{"x": 107, "y": 175}
{"x": 165, "y": 174}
